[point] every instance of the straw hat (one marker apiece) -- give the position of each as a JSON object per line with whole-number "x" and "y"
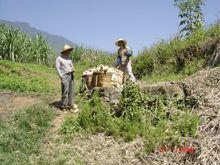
{"x": 66, "y": 47}
{"x": 121, "y": 40}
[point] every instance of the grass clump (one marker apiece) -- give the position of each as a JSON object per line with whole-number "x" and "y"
{"x": 20, "y": 138}
{"x": 158, "y": 120}
{"x": 93, "y": 118}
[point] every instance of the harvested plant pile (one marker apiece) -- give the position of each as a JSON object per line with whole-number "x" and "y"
{"x": 204, "y": 87}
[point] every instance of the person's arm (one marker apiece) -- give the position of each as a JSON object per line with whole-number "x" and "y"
{"x": 129, "y": 52}
{"x": 58, "y": 68}
{"x": 72, "y": 66}
{"x": 118, "y": 62}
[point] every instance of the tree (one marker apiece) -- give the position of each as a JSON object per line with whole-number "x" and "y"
{"x": 191, "y": 15}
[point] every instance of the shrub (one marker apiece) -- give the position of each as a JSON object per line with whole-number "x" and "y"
{"x": 93, "y": 118}
{"x": 177, "y": 56}
{"x": 143, "y": 65}
{"x": 91, "y": 57}
{"x": 137, "y": 115}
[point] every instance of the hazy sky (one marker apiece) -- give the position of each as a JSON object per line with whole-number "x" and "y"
{"x": 98, "y": 23}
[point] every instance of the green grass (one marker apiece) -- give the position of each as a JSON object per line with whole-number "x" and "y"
{"x": 20, "y": 139}
{"x": 154, "y": 79}
{"x": 151, "y": 118}
{"x": 27, "y": 78}
{"x": 137, "y": 115}
{"x": 22, "y": 134}
{"x": 35, "y": 79}
{"x": 171, "y": 76}
{"x": 176, "y": 57}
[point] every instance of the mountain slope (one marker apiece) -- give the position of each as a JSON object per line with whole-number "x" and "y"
{"x": 55, "y": 41}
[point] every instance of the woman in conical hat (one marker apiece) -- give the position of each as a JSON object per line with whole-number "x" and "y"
{"x": 65, "y": 70}
{"x": 123, "y": 59}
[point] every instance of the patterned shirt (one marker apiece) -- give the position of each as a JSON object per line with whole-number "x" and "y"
{"x": 123, "y": 55}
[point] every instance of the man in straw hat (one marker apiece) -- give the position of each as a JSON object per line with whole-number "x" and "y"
{"x": 123, "y": 59}
{"x": 65, "y": 69}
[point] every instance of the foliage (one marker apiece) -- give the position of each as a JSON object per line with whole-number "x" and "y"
{"x": 91, "y": 57}
{"x": 131, "y": 102}
{"x": 93, "y": 118}
{"x": 20, "y": 139}
{"x": 18, "y": 46}
{"x": 191, "y": 15}
{"x": 177, "y": 57}
{"x": 138, "y": 115}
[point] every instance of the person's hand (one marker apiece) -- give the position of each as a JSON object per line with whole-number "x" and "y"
{"x": 62, "y": 79}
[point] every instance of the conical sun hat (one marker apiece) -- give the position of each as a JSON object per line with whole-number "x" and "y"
{"x": 121, "y": 40}
{"x": 66, "y": 47}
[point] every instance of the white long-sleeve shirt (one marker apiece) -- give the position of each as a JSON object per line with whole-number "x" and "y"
{"x": 64, "y": 65}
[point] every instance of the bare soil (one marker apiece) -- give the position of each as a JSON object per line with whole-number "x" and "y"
{"x": 11, "y": 103}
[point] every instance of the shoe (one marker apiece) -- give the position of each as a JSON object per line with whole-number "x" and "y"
{"x": 63, "y": 108}
{"x": 73, "y": 108}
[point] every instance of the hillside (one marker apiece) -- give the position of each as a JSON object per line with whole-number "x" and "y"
{"x": 28, "y": 96}
{"x": 170, "y": 117}
{"x": 56, "y": 42}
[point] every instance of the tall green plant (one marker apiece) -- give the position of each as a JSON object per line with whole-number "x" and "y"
{"x": 191, "y": 15}
{"x": 91, "y": 57}
{"x": 18, "y": 46}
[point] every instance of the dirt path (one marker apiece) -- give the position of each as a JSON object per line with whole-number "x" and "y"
{"x": 58, "y": 121}
{"x": 11, "y": 103}
{"x": 87, "y": 149}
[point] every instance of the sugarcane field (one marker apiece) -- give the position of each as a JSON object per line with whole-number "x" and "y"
{"x": 110, "y": 82}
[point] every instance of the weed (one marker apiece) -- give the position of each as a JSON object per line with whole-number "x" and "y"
{"x": 20, "y": 138}
{"x": 140, "y": 115}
